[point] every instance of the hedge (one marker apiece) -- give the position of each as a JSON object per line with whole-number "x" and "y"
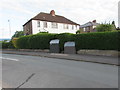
{"x": 37, "y": 41}
{"x": 6, "y": 45}
{"x": 64, "y": 37}
{"x": 14, "y": 40}
{"x": 98, "y": 41}
{"x": 22, "y": 42}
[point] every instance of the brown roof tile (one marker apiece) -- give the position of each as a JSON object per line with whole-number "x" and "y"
{"x": 50, "y": 18}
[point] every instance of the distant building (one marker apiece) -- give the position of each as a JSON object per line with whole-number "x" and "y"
{"x": 119, "y": 14}
{"x": 89, "y": 27}
{"x": 50, "y": 22}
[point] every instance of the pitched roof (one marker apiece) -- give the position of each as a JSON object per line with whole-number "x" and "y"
{"x": 89, "y": 24}
{"x": 48, "y": 17}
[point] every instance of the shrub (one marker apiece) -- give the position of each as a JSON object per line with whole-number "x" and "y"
{"x": 78, "y": 31}
{"x": 6, "y": 45}
{"x": 105, "y": 27}
{"x": 18, "y": 34}
{"x": 14, "y": 41}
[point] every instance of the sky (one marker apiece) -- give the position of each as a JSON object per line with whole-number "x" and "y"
{"x": 15, "y": 13}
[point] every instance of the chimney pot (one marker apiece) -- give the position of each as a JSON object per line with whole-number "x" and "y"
{"x": 52, "y": 12}
{"x": 94, "y": 21}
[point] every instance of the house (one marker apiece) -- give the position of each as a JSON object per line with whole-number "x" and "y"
{"x": 89, "y": 27}
{"x": 50, "y": 22}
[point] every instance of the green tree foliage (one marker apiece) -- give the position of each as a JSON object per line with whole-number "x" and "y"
{"x": 18, "y": 34}
{"x": 105, "y": 27}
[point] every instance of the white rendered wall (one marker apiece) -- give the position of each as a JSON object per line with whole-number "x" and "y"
{"x": 49, "y": 28}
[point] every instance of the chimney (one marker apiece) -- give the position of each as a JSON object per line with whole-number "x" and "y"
{"x": 52, "y": 12}
{"x": 94, "y": 21}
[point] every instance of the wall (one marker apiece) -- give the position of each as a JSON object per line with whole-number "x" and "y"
{"x": 28, "y": 28}
{"x": 52, "y": 30}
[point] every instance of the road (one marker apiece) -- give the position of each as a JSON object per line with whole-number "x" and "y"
{"x": 21, "y": 71}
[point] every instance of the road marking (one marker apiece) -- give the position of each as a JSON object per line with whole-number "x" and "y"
{"x": 9, "y": 59}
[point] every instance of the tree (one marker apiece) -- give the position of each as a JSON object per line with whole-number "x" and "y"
{"x": 18, "y": 34}
{"x": 104, "y": 27}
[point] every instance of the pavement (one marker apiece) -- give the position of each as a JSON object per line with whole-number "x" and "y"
{"x": 86, "y": 58}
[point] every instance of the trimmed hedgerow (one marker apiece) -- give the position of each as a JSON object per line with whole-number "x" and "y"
{"x": 40, "y": 41}
{"x": 37, "y": 41}
{"x": 14, "y": 42}
{"x": 22, "y": 42}
{"x": 64, "y": 37}
{"x": 6, "y": 45}
{"x": 98, "y": 41}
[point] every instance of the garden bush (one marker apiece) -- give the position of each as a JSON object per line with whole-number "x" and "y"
{"x": 14, "y": 41}
{"x": 6, "y": 45}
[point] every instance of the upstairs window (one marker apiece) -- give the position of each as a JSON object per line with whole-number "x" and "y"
{"x": 38, "y": 23}
{"x": 54, "y": 25}
{"x": 65, "y": 26}
{"x": 45, "y": 24}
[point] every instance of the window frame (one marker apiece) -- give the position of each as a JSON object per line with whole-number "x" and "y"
{"x": 45, "y": 25}
{"x": 54, "y": 25}
{"x": 38, "y": 23}
{"x": 66, "y": 26}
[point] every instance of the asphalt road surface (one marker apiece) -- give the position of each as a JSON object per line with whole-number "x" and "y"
{"x": 21, "y": 71}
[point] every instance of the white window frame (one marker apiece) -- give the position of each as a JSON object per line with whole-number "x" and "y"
{"x": 66, "y": 26}
{"x": 54, "y": 25}
{"x": 72, "y": 27}
{"x": 84, "y": 29}
{"x": 38, "y": 23}
{"x": 45, "y": 24}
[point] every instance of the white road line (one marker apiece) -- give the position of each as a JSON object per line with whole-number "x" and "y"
{"x": 9, "y": 59}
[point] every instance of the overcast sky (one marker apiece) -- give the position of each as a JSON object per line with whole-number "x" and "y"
{"x": 19, "y": 12}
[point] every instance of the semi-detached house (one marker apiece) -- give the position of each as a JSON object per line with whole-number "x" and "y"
{"x": 50, "y": 22}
